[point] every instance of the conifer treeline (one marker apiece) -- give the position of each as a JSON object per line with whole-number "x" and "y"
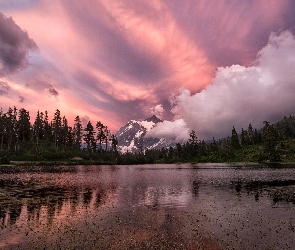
{"x": 266, "y": 144}
{"x": 53, "y": 140}
{"x": 50, "y": 139}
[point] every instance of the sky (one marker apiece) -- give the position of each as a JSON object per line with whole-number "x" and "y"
{"x": 196, "y": 64}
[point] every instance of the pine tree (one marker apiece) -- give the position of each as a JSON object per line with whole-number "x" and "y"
{"x": 89, "y": 136}
{"x": 23, "y": 125}
{"x": 250, "y": 134}
{"x": 56, "y": 128}
{"x": 193, "y": 142}
{"x": 47, "y": 128}
{"x": 100, "y": 136}
{"x": 64, "y": 130}
{"x": 114, "y": 143}
{"x": 77, "y": 133}
{"x": 11, "y": 127}
{"x": 38, "y": 128}
{"x": 287, "y": 130}
{"x": 270, "y": 137}
{"x": 235, "y": 143}
{"x": 244, "y": 138}
{"x": 2, "y": 128}
{"x": 213, "y": 146}
{"x": 107, "y": 137}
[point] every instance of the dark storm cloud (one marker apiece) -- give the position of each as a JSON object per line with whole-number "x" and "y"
{"x": 4, "y": 87}
{"x": 52, "y": 90}
{"x": 15, "y": 45}
{"x": 21, "y": 98}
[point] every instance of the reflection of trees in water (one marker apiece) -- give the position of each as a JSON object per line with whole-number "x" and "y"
{"x": 278, "y": 190}
{"x": 50, "y": 199}
{"x": 195, "y": 188}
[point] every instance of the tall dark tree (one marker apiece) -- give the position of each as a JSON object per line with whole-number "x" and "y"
{"x": 11, "y": 127}
{"x": 107, "y": 137}
{"x": 235, "y": 143}
{"x": 89, "y": 137}
{"x": 193, "y": 142}
{"x": 23, "y": 125}
{"x": 287, "y": 130}
{"x": 56, "y": 128}
{"x": 214, "y": 146}
{"x": 38, "y": 127}
{"x": 100, "y": 136}
{"x": 244, "y": 138}
{"x": 2, "y": 128}
{"x": 38, "y": 130}
{"x": 77, "y": 133}
{"x": 47, "y": 127}
{"x": 250, "y": 134}
{"x": 64, "y": 131}
{"x": 114, "y": 143}
{"x": 270, "y": 138}
{"x": 178, "y": 151}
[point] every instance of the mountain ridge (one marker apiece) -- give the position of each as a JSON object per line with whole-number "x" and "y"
{"x": 131, "y": 137}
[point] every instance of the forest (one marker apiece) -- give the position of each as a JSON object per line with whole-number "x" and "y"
{"x": 55, "y": 142}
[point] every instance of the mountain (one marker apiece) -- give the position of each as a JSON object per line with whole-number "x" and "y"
{"x": 132, "y": 138}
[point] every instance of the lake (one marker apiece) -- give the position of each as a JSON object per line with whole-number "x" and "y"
{"x": 176, "y": 206}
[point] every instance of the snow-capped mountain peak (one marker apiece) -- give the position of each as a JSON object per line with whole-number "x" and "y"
{"x": 132, "y": 138}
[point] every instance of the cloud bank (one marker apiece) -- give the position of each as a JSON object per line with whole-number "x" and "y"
{"x": 15, "y": 45}
{"x": 114, "y": 61}
{"x": 239, "y": 95}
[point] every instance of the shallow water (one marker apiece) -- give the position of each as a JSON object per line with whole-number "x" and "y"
{"x": 203, "y": 206}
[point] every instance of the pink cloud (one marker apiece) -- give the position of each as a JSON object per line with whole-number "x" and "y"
{"x": 115, "y": 60}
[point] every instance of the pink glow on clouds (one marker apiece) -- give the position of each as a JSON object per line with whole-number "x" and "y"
{"x": 115, "y": 60}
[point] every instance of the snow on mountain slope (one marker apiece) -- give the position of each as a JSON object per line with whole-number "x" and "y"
{"x": 131, "y": 137}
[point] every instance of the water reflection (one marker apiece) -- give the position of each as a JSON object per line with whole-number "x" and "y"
{"x": 277, "y": 190}
{"x": 34, "y": 197}
{"x": 131, "y": 185}
{"x": 172, "y": 198}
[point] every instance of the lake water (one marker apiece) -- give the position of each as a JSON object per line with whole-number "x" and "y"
{"x": 200, "y": 206}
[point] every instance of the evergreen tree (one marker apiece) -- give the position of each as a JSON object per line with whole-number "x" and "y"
{"x": 250, "y": 134}
{"x": 89, "y": 136}
{"x": 235, "y": 143}
{"x": 270, "y": 137}
{"x": 77, "y": 133}
{"x": 178, "y": 151}
{"x": 107, "y": 137}
{"x": 70, "y": 140}
{"x": 56, "y": 127}
{"x": 38, "y": 130}
{"x": 2, "y": 128}
{"x": 23, "y": 124}
{"x": 244, "y": 138}
{"x": 213, "y": 146}
{"x": 38, "y": 127}
{"x": 193, "y": 142}
{"x": 64, "y": 131}
{"x": 11, "y": 127}
{"x": 287, "y": 130}
{"x": 47, "y": 127}
{"x": 100, "y": 136}
{"x": 114, "y": 143}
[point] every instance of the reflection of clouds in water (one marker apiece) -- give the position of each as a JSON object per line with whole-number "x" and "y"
{"x": 46, "y": 204}
{"x": 166, "y": 196}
